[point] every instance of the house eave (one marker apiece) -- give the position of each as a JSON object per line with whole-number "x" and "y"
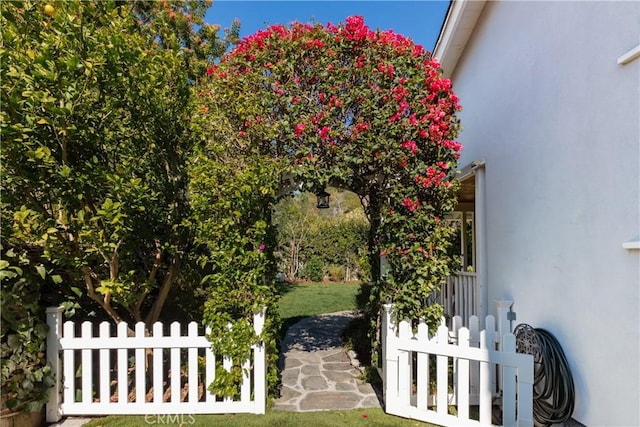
{"x": 469, "y": 170}
{"x": 455, "y": 33}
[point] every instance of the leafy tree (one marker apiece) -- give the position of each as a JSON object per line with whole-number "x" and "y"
{"x": 336, "y": 235}
{"x": 341, "y": 241}
{"x": 95, "y": 111}
{"x": 295, "y": 219}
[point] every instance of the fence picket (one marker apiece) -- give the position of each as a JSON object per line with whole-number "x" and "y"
{"x": 509, "y": 383}
{"x": 245, "y": 387}
{"x": 210, "y": 373}
{"x": 442, "y": 363}
{"x": 140, "y": 366}
{"x": 175, "y": 372}
{"x": 192, "y": 356}
{"x": 404, "y": 365}
{"x": 158, "y": 383}
{"x": 123, "y": 366}
{"x": 104, "y": 376}
{"x": 422, "y": 386}
{"x": 68, "y": 363}
{"x": 462, "y": 389}
{"x": 485, "y": 384}
{"x": 86, "y": 361}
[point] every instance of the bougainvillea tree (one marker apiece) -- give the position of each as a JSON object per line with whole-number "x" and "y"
{"x": 333, "y": 105}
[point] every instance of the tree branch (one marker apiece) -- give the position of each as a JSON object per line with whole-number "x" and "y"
{"x": 91, "y": 291}
{"x": 158, "y": 305}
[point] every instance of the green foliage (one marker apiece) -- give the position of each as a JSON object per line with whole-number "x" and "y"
{"x": 338, "y": 236}
{"x": 336, "y": 272}
{"x": 95, "y": 137}
{"x": 230, "y": 199}
{"x": 313, "y": 269}
{"x": 26, "y": 378}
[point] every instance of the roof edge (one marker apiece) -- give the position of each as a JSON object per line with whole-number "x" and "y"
{"x": 455, "y": 33}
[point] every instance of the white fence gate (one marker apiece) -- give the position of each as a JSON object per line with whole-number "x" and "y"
{"x": 105, "y": 374}
{"x": 450, "y": 378}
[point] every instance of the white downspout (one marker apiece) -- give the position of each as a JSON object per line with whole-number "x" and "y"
{"x": 481, "y": 242}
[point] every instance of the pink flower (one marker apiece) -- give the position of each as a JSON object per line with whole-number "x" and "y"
{"x": 299, "y": 128}
{"x": 362, "y": 127}
{"x": 324, "y": 133}
{"x": 411, "y": 145}
{"x": 261, "y": 247}
{"x": 410, "y": 204}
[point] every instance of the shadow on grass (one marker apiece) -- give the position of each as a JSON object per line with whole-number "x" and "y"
{"x": 283, "y": 288}
{"x": 287, "y": 323}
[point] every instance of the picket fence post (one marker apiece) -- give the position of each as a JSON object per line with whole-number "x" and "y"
{"x": 54, "y": 321}
{"x": 259, "y": 356}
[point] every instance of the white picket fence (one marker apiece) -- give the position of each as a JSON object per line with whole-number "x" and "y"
{"x": 464, "y": 376}
{"x": 106, "y": 375}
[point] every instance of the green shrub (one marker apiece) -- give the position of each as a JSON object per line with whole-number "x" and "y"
{"x": 313, "y": 270}
{"x": 336, "y": 272}
{"x": 26, "y": 378}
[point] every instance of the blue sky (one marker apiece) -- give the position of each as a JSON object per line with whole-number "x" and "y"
{"x": 419, "y": 20}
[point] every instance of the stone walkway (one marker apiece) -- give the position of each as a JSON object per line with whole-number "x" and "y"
{"x": 317, "y": 372}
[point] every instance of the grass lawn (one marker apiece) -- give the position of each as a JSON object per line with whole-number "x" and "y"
{"x": 356, "y": 417}
{"x": 309, "y": 299}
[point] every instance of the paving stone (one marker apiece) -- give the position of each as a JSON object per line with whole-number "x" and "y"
{"x": 365, "y": 388}
{"x": 337, "y": 366}
{"x": 329, "y": 400}
{"x": 343, "y": 386}
{"x": 337, "y": 357}
{"x": 288, "y": 393}
{"x": 314, "y": 383}
{"x": 291, "y": 362}
{"x": 337, "y": 375}
{"x": 290, "y": 376}
{"x": 370, "y": 402}
{"x": 310, "y": 370}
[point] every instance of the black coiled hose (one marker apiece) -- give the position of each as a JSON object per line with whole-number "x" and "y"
{"x": 553, "y": 388}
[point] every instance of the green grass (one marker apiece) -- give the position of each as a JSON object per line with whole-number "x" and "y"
{"x": 357, "y": 417}
{"x": 309, "y": 299}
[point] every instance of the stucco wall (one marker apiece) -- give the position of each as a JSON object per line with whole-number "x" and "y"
{"x": 557, "y": 121}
